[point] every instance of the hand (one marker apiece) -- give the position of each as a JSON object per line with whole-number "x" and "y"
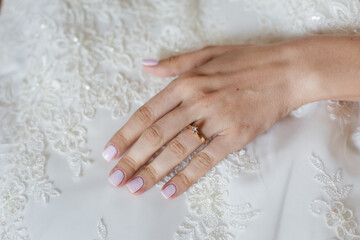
{"x": 232, "y": 93}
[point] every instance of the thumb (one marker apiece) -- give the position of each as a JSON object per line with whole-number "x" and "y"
{"x": 176, "y": 65}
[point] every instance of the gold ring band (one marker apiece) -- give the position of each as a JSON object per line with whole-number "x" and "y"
{"x": 195, "y": 130}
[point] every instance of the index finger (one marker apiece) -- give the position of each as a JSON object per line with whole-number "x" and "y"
{"x": 143, "y": 117}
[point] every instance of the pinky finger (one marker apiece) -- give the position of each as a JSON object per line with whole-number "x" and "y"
{"x": 176, "y": 65}
{"x": 201, "y": 163}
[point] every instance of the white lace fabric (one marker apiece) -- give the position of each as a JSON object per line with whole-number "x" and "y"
{"x": 63, "y": 62}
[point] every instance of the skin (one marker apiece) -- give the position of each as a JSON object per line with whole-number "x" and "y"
{"x": 234, "y": 93}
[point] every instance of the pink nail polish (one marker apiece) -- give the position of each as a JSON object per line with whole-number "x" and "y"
{"x": 150, "y": 62}
{"x": 116, "y": 177}
{"x": 169, "y": 191}
{"x": 135, "y": 184}
{"x": 109, "y": 153}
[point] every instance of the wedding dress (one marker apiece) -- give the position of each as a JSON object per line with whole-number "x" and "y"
{"x": 71, "y": 75}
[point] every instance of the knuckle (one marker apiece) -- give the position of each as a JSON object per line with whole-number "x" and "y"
{"x": 175, "y": 84}
{"x": 175, "y": 65}
{"x": 196, "y": 105}
{"x": 200, "y": 101}
{"x": 185, "y": 83}
{"x": 234, "y": 137}
{"x": 129, "y": 163}
{"x": 121, "y": 140}
{"x": 173, "y": 59}
{"x": 177, "y": 148}
{"x": 185, "y": 180}
{"x": 232, "y": 142}
{"x": 203, "y": 99}
{"x": 152, "y": 173}
{"x": 239, "y": 139}
{"x": 203, "y": 160}
{"x": 144, "y": 115}
{"x": 153, "y": 134}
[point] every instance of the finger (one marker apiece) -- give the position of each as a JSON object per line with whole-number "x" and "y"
{"x": 176, "y": 65}
{"x": 151, "y": 140}
{"x": 202, "y": 162}
{"x": 146, "y": 115}
{"x": 176, "y": 151}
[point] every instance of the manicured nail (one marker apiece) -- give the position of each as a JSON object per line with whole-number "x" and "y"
{"x": 109, "y": 153}
{"x": 116, "y": 177}
{"x": 168, "y": 191}
{"x": 135, "y": 184}
{"x": 150, "y": 62}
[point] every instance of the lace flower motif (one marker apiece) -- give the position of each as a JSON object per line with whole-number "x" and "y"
{"x": 341, "y": 219}
{"x": 30, "y": 164}
{"x": 337, "y": 216}
{"x": 102, "y": 230}
{"x": 208, "y": 195}
{"x": 12, "y": 196}
{"x": 239, "y": 162}
{"x": 12, "y": 202}
{"x": 210, "y": 215}
{"x": 43, "y": 190}
{"x": 65, "y": 132}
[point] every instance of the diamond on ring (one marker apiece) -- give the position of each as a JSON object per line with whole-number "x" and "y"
{"x": 194, "y": 129}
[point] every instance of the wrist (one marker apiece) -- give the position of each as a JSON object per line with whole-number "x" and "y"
{"x": 325, "y": 67}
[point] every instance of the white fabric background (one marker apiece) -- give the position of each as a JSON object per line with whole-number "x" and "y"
{"x": 280, "y": 191}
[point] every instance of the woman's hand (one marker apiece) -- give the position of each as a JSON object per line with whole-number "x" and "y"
{"x": 233, "y": 93}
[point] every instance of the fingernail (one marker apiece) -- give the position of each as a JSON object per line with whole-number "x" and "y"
{"x": 150, "y": 62}
{"x": 109, "y": 153}
{"x": 168, "y": 191}
{"x": 116, "y": 177}
{"x": 135, "y": 184}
